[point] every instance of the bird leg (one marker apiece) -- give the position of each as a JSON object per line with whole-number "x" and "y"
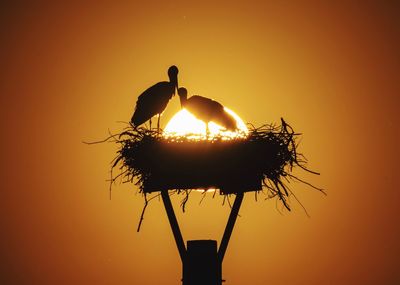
{"x": 158, "y": 123}
{"x": 207, "y": 131}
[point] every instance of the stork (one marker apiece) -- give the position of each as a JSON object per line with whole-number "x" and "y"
{"x": 207, "y": 110}
{"x": 154, "y": 100}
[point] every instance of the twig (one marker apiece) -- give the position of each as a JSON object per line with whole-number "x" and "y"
{"x": 146, "y": 202}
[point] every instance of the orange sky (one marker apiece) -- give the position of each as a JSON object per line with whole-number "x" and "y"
{"x": 70, "y": 72}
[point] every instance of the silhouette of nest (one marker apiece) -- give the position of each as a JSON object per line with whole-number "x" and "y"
{"x": 262, "y": 161}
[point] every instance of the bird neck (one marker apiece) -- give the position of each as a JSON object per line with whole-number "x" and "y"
{"x": 174, "y": 80}
{"x": 183, "y": 100}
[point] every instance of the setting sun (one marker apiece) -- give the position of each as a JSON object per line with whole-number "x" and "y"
{"x": 186, "y": 124}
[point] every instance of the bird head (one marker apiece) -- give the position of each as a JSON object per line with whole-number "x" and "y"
{"x": 182, "y": 92}
{"x": 173, "y": 76}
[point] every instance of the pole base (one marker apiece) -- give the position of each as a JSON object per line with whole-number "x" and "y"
{"x": 201, "y": 265}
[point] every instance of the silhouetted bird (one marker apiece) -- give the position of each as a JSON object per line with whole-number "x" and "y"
{"x": 154, "y": 100}
{"x": 207, "y": 110}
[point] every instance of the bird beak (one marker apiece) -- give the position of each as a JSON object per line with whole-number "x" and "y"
{"x": 177, "y": 86}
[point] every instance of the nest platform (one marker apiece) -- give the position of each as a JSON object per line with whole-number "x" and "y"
{"x": 262, "y": 159}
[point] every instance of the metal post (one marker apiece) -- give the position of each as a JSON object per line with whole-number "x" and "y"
{"x": 174, "y": 225}
{"x": 202, "y": 266}
{"x": 229, "y": 227}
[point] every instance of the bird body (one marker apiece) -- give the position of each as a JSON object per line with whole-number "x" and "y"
{"x": 207, "y": 110}
{"x": 154, "y": 100}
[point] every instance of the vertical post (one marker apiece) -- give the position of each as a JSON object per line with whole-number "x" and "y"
{"x": 174, "y": 224}
{"x": 201, "y": 266}
{"x": 229, "y": 227}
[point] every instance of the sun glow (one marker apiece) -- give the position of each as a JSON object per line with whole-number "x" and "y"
{"x": 185, "y": 124}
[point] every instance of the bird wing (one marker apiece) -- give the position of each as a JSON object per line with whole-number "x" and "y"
{"x": 208, "y": 110}
{"x": 202, "y": 107}
{"x": 152, "y": 101}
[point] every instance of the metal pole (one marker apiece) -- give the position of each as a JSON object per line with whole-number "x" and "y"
{"x": 174, "y": 224}
{"x": 229, "y": 226}
{"x": 202, "y": 266}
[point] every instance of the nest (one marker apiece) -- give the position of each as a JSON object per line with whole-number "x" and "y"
{"x": 264, "y": 160}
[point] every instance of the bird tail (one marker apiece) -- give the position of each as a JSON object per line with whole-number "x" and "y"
{"x": 136, "y": 119}
{"x": 228, "y": 122}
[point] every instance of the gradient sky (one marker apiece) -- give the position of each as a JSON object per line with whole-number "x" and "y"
{"x": 70, "y": 72}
